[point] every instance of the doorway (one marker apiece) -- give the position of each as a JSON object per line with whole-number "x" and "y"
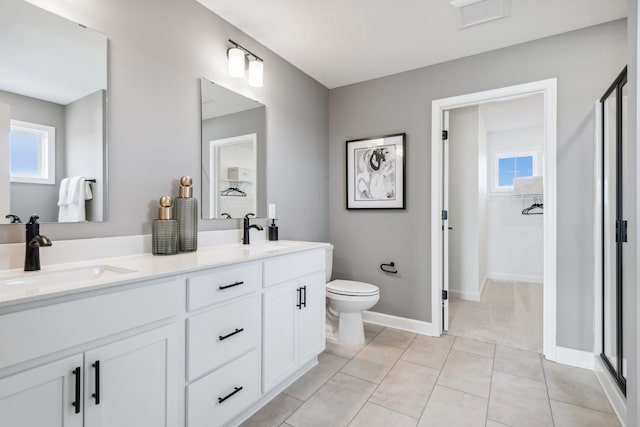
{"x": 440, "y": 200}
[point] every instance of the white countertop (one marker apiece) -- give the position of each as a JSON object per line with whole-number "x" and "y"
{"x": 144, "y": 267}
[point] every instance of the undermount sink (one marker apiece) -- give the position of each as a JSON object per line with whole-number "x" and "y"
{"x": 80, "y": 274}
{"x": 258, "y": 248}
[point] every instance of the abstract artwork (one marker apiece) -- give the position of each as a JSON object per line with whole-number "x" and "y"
{"x": 375, "y": 172}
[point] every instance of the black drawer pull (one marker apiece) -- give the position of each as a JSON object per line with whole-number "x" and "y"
{"x": 224, "y": 337}
{"x": 230, "y": 286}
{"x": 299, "y": 298}
{"x": 236, "y": 389}
{"x": 304, "y": 293}
{"x": 96, "y": 395}
{"x": 77, "y": 402}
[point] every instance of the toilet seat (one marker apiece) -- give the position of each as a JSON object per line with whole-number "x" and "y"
{"x": 352, "y": 288}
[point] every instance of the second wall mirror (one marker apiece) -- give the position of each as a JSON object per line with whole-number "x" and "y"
{"x": 233, "y": 153}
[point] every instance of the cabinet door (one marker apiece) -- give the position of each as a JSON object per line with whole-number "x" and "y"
{"x": 42, "y": 396}
{"x": 280, "y": 329}
{"x": 133, "y": 382}
{"x": 312, "y": 318}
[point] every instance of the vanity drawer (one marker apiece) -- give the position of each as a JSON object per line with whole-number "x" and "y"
{"x": 220, "y": 335}
{"x": 288, "y": 267}
{"x": 204, "y": 408}
{"x": 222, "y": 284}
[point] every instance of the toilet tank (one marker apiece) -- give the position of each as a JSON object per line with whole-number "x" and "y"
{"x": 329, "y": 263}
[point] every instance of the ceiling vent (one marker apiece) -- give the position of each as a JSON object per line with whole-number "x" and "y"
{"x": 476, "y": 12}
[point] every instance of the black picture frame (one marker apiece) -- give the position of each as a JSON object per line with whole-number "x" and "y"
{"x": 376, "y": 172}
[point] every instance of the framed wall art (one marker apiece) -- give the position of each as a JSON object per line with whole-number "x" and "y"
{"x": 376, "y": 172}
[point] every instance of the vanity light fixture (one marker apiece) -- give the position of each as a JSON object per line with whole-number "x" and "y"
{"x": 238, "y": 56}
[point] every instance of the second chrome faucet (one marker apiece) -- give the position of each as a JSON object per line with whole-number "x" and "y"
{"x": 246, "y": 227}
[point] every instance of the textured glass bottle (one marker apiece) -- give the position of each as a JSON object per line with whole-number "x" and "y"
{"x": 186, "y": 213}
{"x": 164, "y": 231}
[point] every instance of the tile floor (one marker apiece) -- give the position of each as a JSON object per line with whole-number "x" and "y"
{"x": 400, "y": 379}
{"x": 510, "y": 313}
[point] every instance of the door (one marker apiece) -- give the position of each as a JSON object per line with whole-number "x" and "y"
{"x": 46, "y": 396}
{"x": 445, "y": 221}
{"x": 280, "y": 356}
{"x": 618, "y": 196}
{"x": 132, "y": 382}
{"x": 311, "y": 316}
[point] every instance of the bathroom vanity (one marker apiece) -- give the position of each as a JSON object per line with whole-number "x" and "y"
{"x": 201, "y": 339}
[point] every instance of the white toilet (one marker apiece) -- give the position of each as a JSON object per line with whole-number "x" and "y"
{"x": 346, "y": 300}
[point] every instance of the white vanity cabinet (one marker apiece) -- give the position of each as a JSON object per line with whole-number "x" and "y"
{"x": 42, "y": 396}
{"x": 294, "y": 314}
{"x": 123, "y": 379}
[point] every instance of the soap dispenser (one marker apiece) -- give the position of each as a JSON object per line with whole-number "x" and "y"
{"x": 186, "y": 213}
{"x": 164, "y": 231}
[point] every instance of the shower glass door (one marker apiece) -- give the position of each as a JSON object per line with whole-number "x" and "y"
{"x": 617, "y": 207}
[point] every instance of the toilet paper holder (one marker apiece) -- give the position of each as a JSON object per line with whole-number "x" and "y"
{"x": 389, "y": 268}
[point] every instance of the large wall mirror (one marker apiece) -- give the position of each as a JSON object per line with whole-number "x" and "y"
{"x": 233, "y": 153}
{"x": 53, "y": 88}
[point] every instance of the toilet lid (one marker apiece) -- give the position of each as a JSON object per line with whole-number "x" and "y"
{"x": 350, "y": 287}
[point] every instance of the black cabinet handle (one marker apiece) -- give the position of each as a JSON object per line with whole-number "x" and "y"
{"x": 77, "y": 402}
{"x": 96, "y": 395}
{"x": 235, "y": 390}
{"x": 224, "y": 337}
{"x": 304, "y": 292}
{"x": 230, "y": 286}
{"x": 299, "y": 298}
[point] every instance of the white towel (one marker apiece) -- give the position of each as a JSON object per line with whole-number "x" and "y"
{"x": 72, "y": 199}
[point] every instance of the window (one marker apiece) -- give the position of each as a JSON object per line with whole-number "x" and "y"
{"x": 33, "y": 153}
{"x": 510, "y": 167}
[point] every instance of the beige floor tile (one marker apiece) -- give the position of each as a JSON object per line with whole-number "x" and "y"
{"x": 328, "y": 365}
{"x": 567, "y": 415}
{"x": 448, "y": 407}
{"x": 406, "y": 388}
{"x": 467, "y": 372}
{"x": 491, "y": 423}
{"x": 575, "y": 385}
{"x": 474, "y": 346}
{"x": 395, "y": 338}
{"x": 335, "y": 404}
{"x": 373, "y": 327}
{"x": 429, "y": 351}
{"x": 376, "y": 416}
{"x": 519, "y": 401}
{"x": 274, "y": 412}
{"x": 373, "y": 362}
{"x": 341, "y": 350}
{"x": 518, "y": 362}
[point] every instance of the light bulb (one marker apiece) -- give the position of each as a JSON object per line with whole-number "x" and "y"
{"x": 255, "y": 73}
{"x": 236, "y": 62}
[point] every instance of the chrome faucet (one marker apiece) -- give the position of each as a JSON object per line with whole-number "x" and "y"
{"x": 246, "y": 227}
{"x": 33, "y": 242}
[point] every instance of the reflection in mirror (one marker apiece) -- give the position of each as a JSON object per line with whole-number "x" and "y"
{"x": 233, "y": 153}
{"x": 53, "y": 81}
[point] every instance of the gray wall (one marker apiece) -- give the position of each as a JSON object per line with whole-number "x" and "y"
{"x": 27, "y": 199}
{"x": 584, "y": 62}
{"x": 157, "y": 51}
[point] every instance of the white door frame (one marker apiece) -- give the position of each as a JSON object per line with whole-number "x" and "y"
{"x": 548, "y": 88}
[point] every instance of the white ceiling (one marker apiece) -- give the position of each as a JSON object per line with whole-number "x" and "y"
{"x": 219, "y": 101}
{"x": 519, "y": 113}
{"x": 47, "y": 57}
{"x": 339, "y": 42}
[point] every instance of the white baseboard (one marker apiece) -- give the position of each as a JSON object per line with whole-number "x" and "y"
{"x": 465, "y": 295}
{"x": 506, "y": 277}
{"x": 402, "y": 323}
{"x": 577, "y": 358}
{"x": 611, "y": 390}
